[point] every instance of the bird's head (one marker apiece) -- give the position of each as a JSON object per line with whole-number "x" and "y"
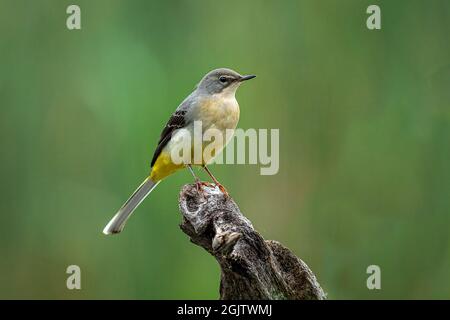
{"x": 222, "y": 81}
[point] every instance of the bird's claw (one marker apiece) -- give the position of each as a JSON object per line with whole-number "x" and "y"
{"x": 224, "y": 191}
{"x": 200, "y": 184}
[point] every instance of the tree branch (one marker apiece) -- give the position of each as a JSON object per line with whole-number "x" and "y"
{"x": 252, "y": 268}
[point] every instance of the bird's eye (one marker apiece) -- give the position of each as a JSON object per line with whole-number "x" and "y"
{"x": 223, "y": 79}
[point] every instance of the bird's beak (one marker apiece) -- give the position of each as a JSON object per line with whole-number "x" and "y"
{"x": 244, "y": 78}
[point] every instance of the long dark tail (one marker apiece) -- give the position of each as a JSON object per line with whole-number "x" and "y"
{"x": 117, "y": 223}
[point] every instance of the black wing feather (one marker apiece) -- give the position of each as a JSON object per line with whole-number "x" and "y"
{"x": 176, "y": 121}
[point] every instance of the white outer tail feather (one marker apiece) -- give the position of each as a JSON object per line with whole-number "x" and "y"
{"x": 117, "y": 223}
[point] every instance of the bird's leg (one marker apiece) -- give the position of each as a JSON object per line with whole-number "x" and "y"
{"x": 221, "y": 187}
{"x": 198, "y": 183}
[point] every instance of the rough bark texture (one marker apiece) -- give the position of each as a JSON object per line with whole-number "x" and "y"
{"x": 252, "y": 268}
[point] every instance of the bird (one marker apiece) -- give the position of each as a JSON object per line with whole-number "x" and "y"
{"x": 213, "y": 102}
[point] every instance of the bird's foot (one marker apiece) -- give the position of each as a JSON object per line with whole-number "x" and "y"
{"x": 200, "y": 184}
{"x": 224, "y": 191}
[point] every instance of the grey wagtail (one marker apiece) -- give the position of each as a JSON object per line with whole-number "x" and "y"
{"x": 213, "y": 102}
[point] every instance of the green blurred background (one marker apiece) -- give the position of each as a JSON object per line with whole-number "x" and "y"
{"x": 364, "y": 142}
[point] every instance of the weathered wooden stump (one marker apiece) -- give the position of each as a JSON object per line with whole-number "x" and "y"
{"x": 252, "y": 268}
